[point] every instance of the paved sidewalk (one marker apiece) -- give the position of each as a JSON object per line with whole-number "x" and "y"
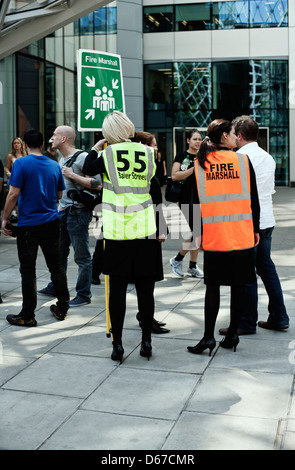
{"x": 60, "y": 390}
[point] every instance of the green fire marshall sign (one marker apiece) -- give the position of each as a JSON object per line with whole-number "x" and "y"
{"x": 100, "y": 88}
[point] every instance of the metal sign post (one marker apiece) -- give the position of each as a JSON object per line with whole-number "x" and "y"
{"x": 100, "y": 88}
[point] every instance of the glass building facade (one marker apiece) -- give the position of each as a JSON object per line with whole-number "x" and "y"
{"x": 45, "y": 74}
{"x": 192, "y": 93}
{"x": 40, "y": 79}
{"x": 216, "y": 15}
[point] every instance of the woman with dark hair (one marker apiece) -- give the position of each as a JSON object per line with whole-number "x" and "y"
{"x": 182, "y": 171}
{"x": 225, "y": 188}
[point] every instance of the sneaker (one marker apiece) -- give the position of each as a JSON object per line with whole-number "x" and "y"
{"x": 95, "y": 282}
{"x": 18, "y": 320}
{"x": 57, "y": 313}
{"x": 47, "y": 291}
{"x": 177, "y": 267}
{"x": 78, "y": 302}
{"x": 195, "y": 272}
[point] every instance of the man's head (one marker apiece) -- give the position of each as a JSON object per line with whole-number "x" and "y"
{"x": 63, "y": 136}
{"x": 246, "y": 130}
{"x": 33, "y": 139}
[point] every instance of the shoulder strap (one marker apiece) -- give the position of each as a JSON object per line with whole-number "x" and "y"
{"x": 72, "y": 160}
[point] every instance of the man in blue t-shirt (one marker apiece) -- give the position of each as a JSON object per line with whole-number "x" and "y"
{"x": 36, "y": 183}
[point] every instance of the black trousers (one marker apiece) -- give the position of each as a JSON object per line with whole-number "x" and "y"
{"x": 117, "y": 305}
{"x": 47, "y": 236}
{"x": 97, "y": 259}
{"x": 212, "y": 303}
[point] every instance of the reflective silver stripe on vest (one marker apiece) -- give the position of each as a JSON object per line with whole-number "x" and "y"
{"x": 114, "y": 186}
{"x": 226, "y": 218}
{"x": 245, "y": 194}
{"x": 126, "y": 209}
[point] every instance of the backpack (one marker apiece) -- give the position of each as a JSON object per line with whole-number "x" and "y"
{"x": 89, "y": 197}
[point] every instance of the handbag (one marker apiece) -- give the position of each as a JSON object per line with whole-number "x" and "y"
{"x": 173, "y": 190}
{"x": 89, "y": 197}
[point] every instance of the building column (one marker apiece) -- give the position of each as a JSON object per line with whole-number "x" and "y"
{"x": 130, "y": 48}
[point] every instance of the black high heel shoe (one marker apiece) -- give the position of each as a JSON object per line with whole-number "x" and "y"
{"x": 117, "y": 352}
{"x": 202, "y": 346}
{"x": 146, "y": 349}
{"x": 229, "y": 342}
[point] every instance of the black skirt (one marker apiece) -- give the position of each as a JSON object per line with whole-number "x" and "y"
{"x": 133, "y": 259}
{"x": 231, "y": 268}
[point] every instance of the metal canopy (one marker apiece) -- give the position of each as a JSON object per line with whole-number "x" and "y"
{"x": 23, "y": 22}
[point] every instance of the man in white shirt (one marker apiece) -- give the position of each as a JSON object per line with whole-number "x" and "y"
{"x": 246, "y": 130}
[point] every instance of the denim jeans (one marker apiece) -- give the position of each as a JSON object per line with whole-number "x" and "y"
{"x": 47, "y": 236}
{"x": 74, "y": 225}
{"x": 266, "y": 269}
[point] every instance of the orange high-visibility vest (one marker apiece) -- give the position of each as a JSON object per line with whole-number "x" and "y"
{"x": 225, "y": 199}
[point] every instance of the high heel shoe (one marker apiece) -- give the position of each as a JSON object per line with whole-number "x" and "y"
{"x": 146, "y": 349}
{"x": 117, "y": 352}
{"x": 229, "y": 342}
{"x": 202, "y": 345}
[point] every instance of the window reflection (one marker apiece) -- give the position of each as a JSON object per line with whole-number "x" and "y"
{"x": 269, "y": 91}
{"x": 186, "y": 94}
{"x": 102, "y": 21}
{"x": 231, "y": 15}
{"x": 158, "y": 19}
{"x": 158, "y": 85}
{"x": 193, "y": 17}
{"x": 265, "y": 14}
{"x": 192, "y": 93}
{"x": 216, "y": 15}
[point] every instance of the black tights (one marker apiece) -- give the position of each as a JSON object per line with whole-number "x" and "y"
{"x": 117, "y": 303}
{"x": 212, "y": 303}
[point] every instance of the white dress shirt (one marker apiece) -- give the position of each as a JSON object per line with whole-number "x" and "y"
{"x": 264, "y": 167}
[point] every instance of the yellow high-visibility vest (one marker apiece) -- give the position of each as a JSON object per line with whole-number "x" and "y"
{"x": 127, "y": 207}
{"x": 224, "y": 194}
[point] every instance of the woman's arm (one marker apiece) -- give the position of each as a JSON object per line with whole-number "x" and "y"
{"x": 177, "y": 174}
{"x": 8, "y": 165}
{"x": 94, "y": 164}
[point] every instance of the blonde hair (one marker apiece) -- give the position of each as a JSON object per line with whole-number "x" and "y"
{"x": 117, "y": 127}
{"x": 23, "y": 148}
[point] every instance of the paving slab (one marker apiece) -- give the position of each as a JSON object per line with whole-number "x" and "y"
{"x": 28, "y": 419}
{"x": 63, "y": 375}
{"x": 243, "y": 393}
{"x": 138, "y": 393}
{"x": 100, "y": 431}
{"x": 212, "y": 432}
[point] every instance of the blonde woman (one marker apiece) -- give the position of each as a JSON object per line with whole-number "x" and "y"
{"x": 18, "y": 150}
{"x": 129, "y": 224}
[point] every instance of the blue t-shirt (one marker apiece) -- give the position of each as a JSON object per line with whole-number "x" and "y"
{"x": 39, "y": 179}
